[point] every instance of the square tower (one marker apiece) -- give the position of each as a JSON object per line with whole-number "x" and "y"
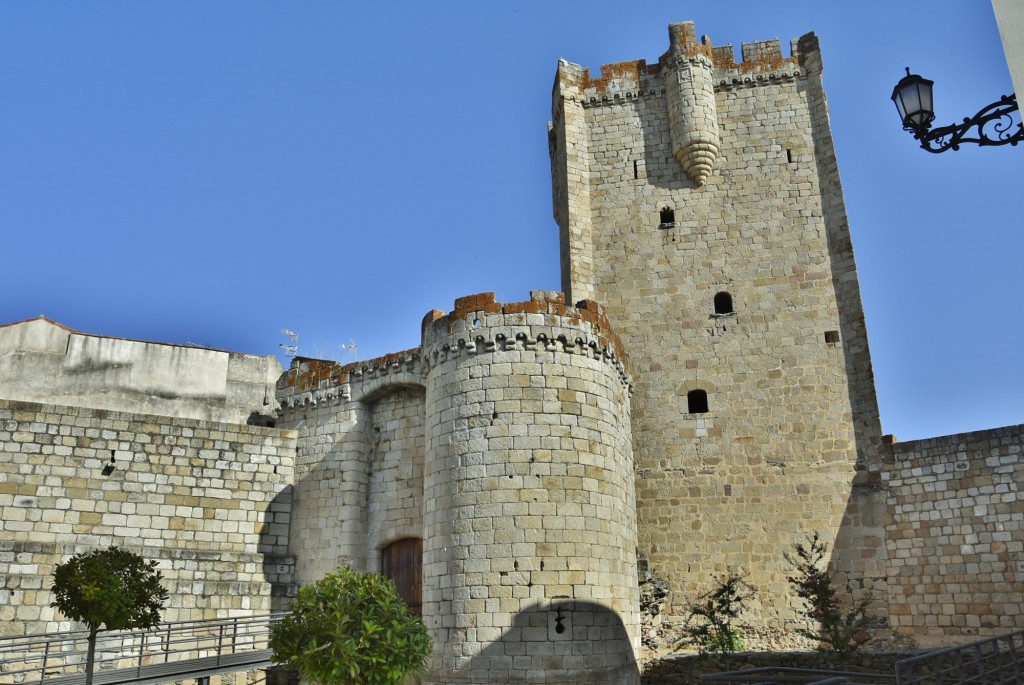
{"x": 699, "y": 201}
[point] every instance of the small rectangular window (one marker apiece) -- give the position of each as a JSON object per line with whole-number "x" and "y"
{"x": 831, "y": 338}
{"x": 668, "y": 218}
{"x": 697, "y": 402}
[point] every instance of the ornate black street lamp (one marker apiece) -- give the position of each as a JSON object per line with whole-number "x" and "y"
{"x": 913, "y": 99}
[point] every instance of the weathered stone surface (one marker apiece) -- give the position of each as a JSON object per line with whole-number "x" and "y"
{"x": 726, "y": 287}
{"x": 210, "y": 501}
{"x": 42, "y": 361}
{"x": 699, "y": 202}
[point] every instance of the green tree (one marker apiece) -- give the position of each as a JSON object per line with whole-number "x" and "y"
{"x": 351, "y": 627}
{"x": 839, "y": 629}
{"x": 112, "y": 589}
{"x": 711, "y": 625}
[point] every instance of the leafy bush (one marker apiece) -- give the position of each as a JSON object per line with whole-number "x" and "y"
{"x": 711, "y": 622}
{"x": 112, "y": 588}
{"x": 351, "y": 627}
{"x": 842, "y": 630}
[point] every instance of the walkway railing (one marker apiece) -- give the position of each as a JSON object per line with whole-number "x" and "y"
{"x": 171, "y": 651}
{"x": 992, "y": 661}
{"x": 779, "y": 675}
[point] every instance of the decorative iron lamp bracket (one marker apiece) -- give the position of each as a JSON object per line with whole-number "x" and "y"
{"x": 997, "y": 116}
{"x": 995, "y": 123}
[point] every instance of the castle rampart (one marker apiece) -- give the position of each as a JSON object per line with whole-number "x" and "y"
{"x": 503, "y": 444}
{"x": 955, "y": 536}
{"x": 210, "y": 501}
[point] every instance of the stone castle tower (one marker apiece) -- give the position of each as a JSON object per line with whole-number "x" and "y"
{"x": 699, "y": 201}
{"x": 499, "y": 453}
{"x": 525, "y": 472}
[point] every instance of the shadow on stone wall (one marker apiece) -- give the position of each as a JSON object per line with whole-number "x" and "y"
{"x": 278, "y": 565}
{"x": 558, "y": 643}
{"x": 859, "y": 549}
{"x": 684, "y": 669}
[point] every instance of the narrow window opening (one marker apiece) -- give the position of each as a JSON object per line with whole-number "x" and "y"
{"x": 402, "y": 562}
{"x": 789, "y": 156}
{"x": 636, "y": 169}
{"x": 697, "y": 402}
{"x": 723, "y": 303}
{"x": 668, "y": 217}
{"x": 831, "y": 338}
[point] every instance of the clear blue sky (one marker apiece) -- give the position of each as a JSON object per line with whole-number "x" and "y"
{"x": 214, "y": 172}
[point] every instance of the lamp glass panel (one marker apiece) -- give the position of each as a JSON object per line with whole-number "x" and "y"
{"x": 911, "y": 98}
{"x": 925, "y": 90}
{"x": 898, "y": 100}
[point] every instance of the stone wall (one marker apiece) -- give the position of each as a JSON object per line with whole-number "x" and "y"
{"x": 504, "y": 445}
{"x": 395, "y": 501}
{"x": 210, "y": 501}
{"x": 1010, "y": 16}
{"x": 531, "y": 459}
{"x": 359, "y": 459}
{"x": 956, "y": 537}
{"x": 42, "y": 361}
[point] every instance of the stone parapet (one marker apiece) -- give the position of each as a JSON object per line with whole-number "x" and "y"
{"x": 620, "y": 83}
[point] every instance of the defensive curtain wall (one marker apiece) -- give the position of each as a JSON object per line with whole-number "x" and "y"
{"x": 105, "y": 441}
{"x": 212, "y": 501}
{"x": 954, "y": 535}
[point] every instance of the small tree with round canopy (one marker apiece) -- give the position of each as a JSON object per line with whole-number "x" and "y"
{"x": 112, "y": 589}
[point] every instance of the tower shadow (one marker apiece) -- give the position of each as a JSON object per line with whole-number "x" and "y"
{"x": 562, "y": 642}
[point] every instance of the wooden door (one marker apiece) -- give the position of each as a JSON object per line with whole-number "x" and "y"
{"x": 402, "y": 562}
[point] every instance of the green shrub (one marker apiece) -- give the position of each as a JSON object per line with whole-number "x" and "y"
{"x": 351, "y": 627}
{"x": 711, "y": 622}
{"x": 842, "y": 630}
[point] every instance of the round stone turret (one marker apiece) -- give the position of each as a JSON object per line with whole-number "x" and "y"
{"x": 690, "y": 95}
{"x": 529, "y": 502}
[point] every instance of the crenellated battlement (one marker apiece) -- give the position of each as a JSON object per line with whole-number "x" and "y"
{"x": 761, "y": 63}
{"x": 545, "y": 322}
{"x": 512, "y": 470}
{"x": 312, "y": 381}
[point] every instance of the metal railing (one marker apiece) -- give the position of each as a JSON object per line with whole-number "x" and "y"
{"x": 992, "y": 661}
{"x": 171, "y": 651}
{"x": 779, "y": 675}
